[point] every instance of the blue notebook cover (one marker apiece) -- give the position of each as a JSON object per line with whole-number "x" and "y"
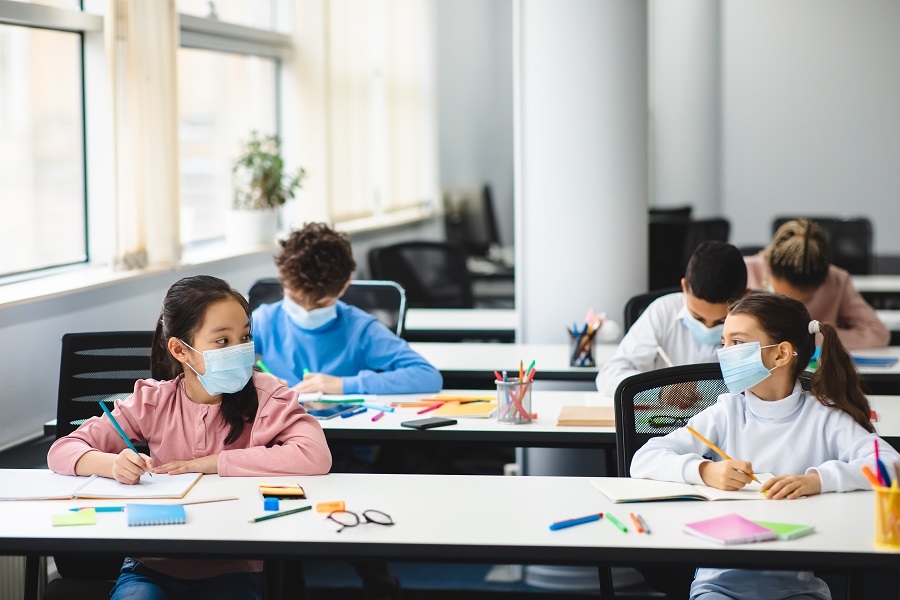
{"x": 155, "y": 514}
{"x": 874, "y": 361}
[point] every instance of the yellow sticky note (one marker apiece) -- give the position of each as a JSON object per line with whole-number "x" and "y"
{"x": 87, "y": 516}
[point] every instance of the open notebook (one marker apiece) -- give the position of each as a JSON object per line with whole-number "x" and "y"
{"x": 43, "y": 484}
{"x": 626, "y": 489}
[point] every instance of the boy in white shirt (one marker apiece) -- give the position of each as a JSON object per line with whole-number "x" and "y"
{"x": 688, "y": 325}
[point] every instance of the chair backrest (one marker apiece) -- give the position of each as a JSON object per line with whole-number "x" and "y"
{"x": 434, "y": 274}
{"x": 98, "y": 366}
{"x": 264, "y": 291}
{"x": 385, "y": 300}
{"x": 850, "y": 240}
{"x": 657, "y": 402}
{"x": 636, "y": 306}
{"x": 469, "y": 219}
{"x": 670, "y": 213}
{"x": 664, "y": 256}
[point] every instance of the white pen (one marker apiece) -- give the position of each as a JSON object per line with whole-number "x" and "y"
{"x": 664, "y": 356}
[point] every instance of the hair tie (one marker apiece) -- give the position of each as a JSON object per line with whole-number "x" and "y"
{"x": 814, "y": 327}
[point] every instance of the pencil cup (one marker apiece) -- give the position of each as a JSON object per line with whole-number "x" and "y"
{"x": 887, "y": 517}
{"x": 581, "y": 350}
{"x": 513, "y": 402}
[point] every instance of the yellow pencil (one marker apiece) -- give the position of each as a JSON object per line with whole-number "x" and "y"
{"x": 715, "y": 449}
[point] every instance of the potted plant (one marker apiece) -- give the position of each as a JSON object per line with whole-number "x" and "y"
{"x": 261, "y": 185}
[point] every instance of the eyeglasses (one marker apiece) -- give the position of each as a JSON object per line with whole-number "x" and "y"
{"x": 346, "y": 519}
{"x": 666, "y": 421}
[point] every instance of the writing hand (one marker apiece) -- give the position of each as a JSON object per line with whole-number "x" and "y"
{"x": 727, "y": 475}
{"x": 128, "y": 466}
{"x": 319, "y": 382}
{"x": 205, "y": 464}
{"x": 792, "y": 486}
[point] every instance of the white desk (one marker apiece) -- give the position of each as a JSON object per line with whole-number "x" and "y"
{"x": 891, "y": 320}
{"x": 475, "y": 362}
{"x": 458, "y": 324}
{"x": 877, "y": 284}
{"x": 460, "y": 518}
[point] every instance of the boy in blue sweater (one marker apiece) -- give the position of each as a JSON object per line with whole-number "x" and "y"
{"x": 318, "y": 343}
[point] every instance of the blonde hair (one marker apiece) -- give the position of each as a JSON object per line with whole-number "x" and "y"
{"x": 799, "y": 253}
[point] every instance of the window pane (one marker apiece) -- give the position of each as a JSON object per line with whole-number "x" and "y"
{"x": 75, "y": 4}
{"x": 221, "y": 99}
{"x": 252, "y": 13}
{"x": 41, "y": 149}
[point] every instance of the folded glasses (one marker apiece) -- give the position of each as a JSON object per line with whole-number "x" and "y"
{"x": 346, "y": 518}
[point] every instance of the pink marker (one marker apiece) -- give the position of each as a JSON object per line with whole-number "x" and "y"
{"x": 378, "y": 416}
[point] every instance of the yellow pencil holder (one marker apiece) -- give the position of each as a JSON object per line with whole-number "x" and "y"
{"x": 887, "y": 517}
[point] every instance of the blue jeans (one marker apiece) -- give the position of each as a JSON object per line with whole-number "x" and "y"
{"x": 137, "y": 582}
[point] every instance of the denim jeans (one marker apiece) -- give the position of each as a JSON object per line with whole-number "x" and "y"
{"x": 137, "y": 582}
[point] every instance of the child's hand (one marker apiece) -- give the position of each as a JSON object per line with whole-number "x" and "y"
{"x": 128, "y": 467}
{"x": 792, "y": 486}
{"x": 205, "y": 464}
{"x": 319, "y": 382}
{"x": 727, "y": 474}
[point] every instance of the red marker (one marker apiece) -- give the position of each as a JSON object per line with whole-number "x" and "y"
{"x": 430, "y": 408}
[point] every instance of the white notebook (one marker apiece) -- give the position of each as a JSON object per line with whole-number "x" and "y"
{"x": 626, "y": 489}
{"x": 43, "y": 484}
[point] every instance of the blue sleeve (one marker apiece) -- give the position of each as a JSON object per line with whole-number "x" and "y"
{"x": 392, "y": 367}
{"x": 259, "y": 324}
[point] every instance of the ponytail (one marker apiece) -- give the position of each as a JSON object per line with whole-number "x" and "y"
{"x": 836, "y": 381}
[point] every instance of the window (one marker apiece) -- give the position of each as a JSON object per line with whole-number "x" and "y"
{"x": 41, "y": 149}
{"x": 252, "y": 13}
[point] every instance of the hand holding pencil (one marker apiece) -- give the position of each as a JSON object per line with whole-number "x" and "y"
{"x": 729, "y": 474}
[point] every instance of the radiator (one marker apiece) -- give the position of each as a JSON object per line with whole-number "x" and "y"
{"x": 12, "y": 577}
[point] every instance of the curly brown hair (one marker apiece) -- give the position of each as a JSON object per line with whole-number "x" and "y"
{"x": 316, "y": 261}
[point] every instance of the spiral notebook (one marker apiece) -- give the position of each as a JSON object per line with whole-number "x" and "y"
{"x": 155, "y": 514}
{"x": 730, "y": 529}
{"x": 42, "y": 484}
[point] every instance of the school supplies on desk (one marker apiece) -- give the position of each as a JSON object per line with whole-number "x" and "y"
{"x": 43, "y": 484}
{"x": 874, "y": 361}
{"x": 573, "y": 522}
{"x": 626, "y": 489}
{"x": 716, "y": 449}
{"x": 88, "y": 516}
{"x": 139, "y": 515}
{"x": 281, "y": 514}
{"x": 469, "y": 410}
{"x": 282, "y": 491}
{"x": 586, "y": 416}
{"x": 729, "y": 529}
{"x": 787, "y": 531}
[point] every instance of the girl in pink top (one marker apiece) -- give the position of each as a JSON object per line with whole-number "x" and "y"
{"x": 797, "y": 263}
{"x": 205, "y": 411}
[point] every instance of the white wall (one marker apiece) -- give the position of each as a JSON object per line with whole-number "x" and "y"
{"x": 475, "y": 100}
{"x": 811, "y": 124}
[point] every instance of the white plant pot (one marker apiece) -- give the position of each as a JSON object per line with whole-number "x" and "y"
{"x": 245, "y": 228}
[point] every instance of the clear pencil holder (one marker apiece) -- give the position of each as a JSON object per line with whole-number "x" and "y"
{"x": 513, "y": 401}
{"x": 581, "y": 351}
{"x": 887, "y": 517}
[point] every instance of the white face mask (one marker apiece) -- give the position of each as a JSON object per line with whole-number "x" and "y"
{"x": 227, "y": 369}
{"x": 309, "y": 319}
{"x": 742, "y": 366}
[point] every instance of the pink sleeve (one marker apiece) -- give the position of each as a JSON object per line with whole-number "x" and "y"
{"x": 858, "y": 325}
{"x": 757, "y": 272}
{"x": 98, "y": 433}
{"x": 284, "y": 439}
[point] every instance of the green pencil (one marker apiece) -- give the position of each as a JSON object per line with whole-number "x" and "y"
{"x": 280, "y": 514}
{"x": 617, "y": 523}
{"x": 263, "y": 367}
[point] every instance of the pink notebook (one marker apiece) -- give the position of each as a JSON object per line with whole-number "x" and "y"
{"x": 730, "y": 529}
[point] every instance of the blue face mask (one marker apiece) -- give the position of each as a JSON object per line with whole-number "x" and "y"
{"x": 742, "y": 366}
{"x": 227, "y": 369}
{"x": 709, "y": 336}
{"x": 309, "y": 319}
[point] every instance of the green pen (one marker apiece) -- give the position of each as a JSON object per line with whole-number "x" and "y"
{"x": 305, "y": 372}
{"x": 617, "y": 523}
{"x": 263, "y": 367}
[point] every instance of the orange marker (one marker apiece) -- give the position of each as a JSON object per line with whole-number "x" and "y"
{"x": 330, "y": 507}
{"x": 873, "y": 479}
{"x": 637, "y": 523}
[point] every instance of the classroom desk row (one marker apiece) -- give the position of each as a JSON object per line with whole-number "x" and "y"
{"x": 881, "y": 291}
{"x": 459, "y": 518}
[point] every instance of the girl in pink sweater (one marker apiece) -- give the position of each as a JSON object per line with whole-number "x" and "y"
{"x": 205, "y": 411}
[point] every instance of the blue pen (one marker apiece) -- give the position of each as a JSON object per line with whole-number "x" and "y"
{"x": 378, "y": 407}
{"x": 573, "y": 522}
{"x": 119, "y": 429}
{"x": 99, "y": 508}
{"x": 359, "y": 410}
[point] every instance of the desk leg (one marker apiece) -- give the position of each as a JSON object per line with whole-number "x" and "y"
{"x": 606, "y": 583}
{"x": 32, "y": 568}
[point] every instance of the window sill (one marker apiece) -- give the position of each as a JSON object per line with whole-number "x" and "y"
{"x": 398, "y": 218}
{"x": 73, "y": 280}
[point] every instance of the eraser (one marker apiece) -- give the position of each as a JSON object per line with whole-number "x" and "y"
{"x": 270, "y": 504}
{"x": 330, "y": 506}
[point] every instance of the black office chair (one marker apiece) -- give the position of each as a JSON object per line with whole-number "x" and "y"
{"x": 434, "y": 274}
{"x": 849, "y": 238}
{"x": 636, "y": 306}
{"x": 469, "y": 219}
{"x": 687, "y": 390}
{"x": 670, "y": 214}
{"x": 384, "y": 300}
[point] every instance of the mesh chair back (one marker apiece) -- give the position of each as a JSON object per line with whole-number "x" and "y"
{"x": 385, "y": 300}
{"x": 657, "y": 402}
{"x": 264, "y": 291}
{"x": 850, "y": 241}
{"x": 469, "y": 220}
{"x": 433, "y": 274}
{"x": 636, "y": 306}
{"x": 98, "y": 366}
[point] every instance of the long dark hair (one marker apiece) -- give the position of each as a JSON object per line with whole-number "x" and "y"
{"x": 182, "y": 313}
{"x": 836, "y": 380}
